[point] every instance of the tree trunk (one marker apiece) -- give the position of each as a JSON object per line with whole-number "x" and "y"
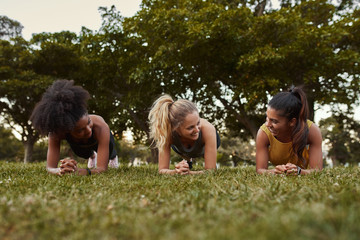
{"x": 154, "y": 155}
{"x": 334, "y": 161}
{"x": 28, "y": 151}
{"x": 241, "y": 116}
{"x": 253, "y": 129}
{"x": 260, "y": 8}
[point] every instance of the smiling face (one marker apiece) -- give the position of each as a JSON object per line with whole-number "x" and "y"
{"x": 83, "y": 128}
{"x": 190, "y": 128}
{"x": 279, "y": 126}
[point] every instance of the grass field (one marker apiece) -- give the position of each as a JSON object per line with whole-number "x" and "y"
{"x": 138, "y": 203}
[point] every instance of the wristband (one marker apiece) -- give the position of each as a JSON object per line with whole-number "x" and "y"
{"x": 89, "y": 171}
{"x": 298, "y": 170}
{"x": 190, "y": 163}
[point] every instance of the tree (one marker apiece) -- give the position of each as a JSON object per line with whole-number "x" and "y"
{"x": 236, "y": 150}
{"x": 116, "y": 66}
{"x": 343, "y": 133}
{"x": 9, "y": 145}
{"x": 20, "y": 89}
{"x": 9, "y": 28}
{"x": 57, "y": 55}
{"x": 230, "y": 58}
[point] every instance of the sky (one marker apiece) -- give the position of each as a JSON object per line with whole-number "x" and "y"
{"x": 39, "y": 16}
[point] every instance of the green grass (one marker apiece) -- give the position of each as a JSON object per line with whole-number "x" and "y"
{"x": 138, "y": 203}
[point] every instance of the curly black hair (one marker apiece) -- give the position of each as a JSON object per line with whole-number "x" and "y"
{"x": 61, "y": 107}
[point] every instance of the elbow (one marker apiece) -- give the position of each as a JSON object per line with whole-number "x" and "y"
{"x": 318, "y": 168}
{"x": 166, "y": 171}
{"x": 101, "y": 170}
{"x": 212, "y": 168}
{"x": 162, "y": 171}
{"x": 260, "y": 170}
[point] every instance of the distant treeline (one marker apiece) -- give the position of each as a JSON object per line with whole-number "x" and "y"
{"x": 227, "y": 56}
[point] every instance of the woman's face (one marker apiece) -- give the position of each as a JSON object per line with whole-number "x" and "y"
{"x": 190, "y": 128}
{"x": 83, "y": 128}
{"x": 279, "y": 126}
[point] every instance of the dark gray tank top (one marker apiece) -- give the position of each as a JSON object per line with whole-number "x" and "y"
{"x": 197, "y": 150}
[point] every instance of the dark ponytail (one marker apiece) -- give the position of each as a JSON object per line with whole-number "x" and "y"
{"x": 293, "y": 104}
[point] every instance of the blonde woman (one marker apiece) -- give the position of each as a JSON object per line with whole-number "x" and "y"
{"x": 176, "y": 125}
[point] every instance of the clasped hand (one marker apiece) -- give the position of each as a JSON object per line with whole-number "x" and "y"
{"x": 182, "y": 168}
{"x": 67, "y": 165}
{"x": 289, "y": 169}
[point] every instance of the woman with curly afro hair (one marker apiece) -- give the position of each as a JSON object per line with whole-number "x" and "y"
{"x": 62, "y": 115}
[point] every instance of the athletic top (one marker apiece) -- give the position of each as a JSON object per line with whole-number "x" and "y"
{"x": 280, "y": 153}
{"x": 86, "y": 150}
{"x": 197, "y": 150}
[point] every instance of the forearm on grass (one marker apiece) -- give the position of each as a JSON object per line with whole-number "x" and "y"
{"x": 197, "y": 172}
{"x": 265, "y": 171}
{"x": 308, "y": 171}
{"x": 85, "y": 171}
{"x": 167, "y": 171}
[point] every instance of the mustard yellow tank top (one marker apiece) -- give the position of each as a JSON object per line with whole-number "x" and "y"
{"x": 280, "y": 153}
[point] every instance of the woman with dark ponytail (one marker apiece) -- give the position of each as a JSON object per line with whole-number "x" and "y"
{"x": 176, "y": 125}
{"x": 287, "y": 139}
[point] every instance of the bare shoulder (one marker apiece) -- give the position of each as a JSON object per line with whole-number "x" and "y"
{"x": 56, "y": 137}
{"x": 261, "y": 138}
{"x": 96, "y": 118}
{"x": 98, "y": 121}
{"x": 208, "y": 130}
{"x": 206, "y": 127}
{"x": 314, "y": 134}
{"x": 206, "y": 124}
{"x": 100, "y": 127}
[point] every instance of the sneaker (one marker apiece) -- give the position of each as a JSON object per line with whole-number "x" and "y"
{"x": 114, "y": 163}
{"x": 92, "y": 161}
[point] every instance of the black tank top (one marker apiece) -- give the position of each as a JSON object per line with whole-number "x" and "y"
{"x": 197, "y": 150}
{"x": 86, "y": 150}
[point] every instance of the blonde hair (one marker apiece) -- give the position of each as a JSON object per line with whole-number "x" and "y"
{"x": 165, "y": 116}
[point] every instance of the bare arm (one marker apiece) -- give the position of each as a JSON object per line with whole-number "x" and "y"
{"x": 101, "y": 132}
{"x": 210, "y": 151}
{"x": 209, "y": 138}
{"x": 315, "y": 154}
{"x": 164, "y": 161}
{"x": 262, "y": 153}
{"x": 181, "y": 168}
{"x": 53, "y": 155}
{"x": 315, "y": 150}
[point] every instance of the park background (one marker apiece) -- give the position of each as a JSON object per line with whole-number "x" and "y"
{"x": 229, "y": 57}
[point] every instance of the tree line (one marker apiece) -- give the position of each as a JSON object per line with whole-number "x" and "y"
{"x": 229, "y": 56}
